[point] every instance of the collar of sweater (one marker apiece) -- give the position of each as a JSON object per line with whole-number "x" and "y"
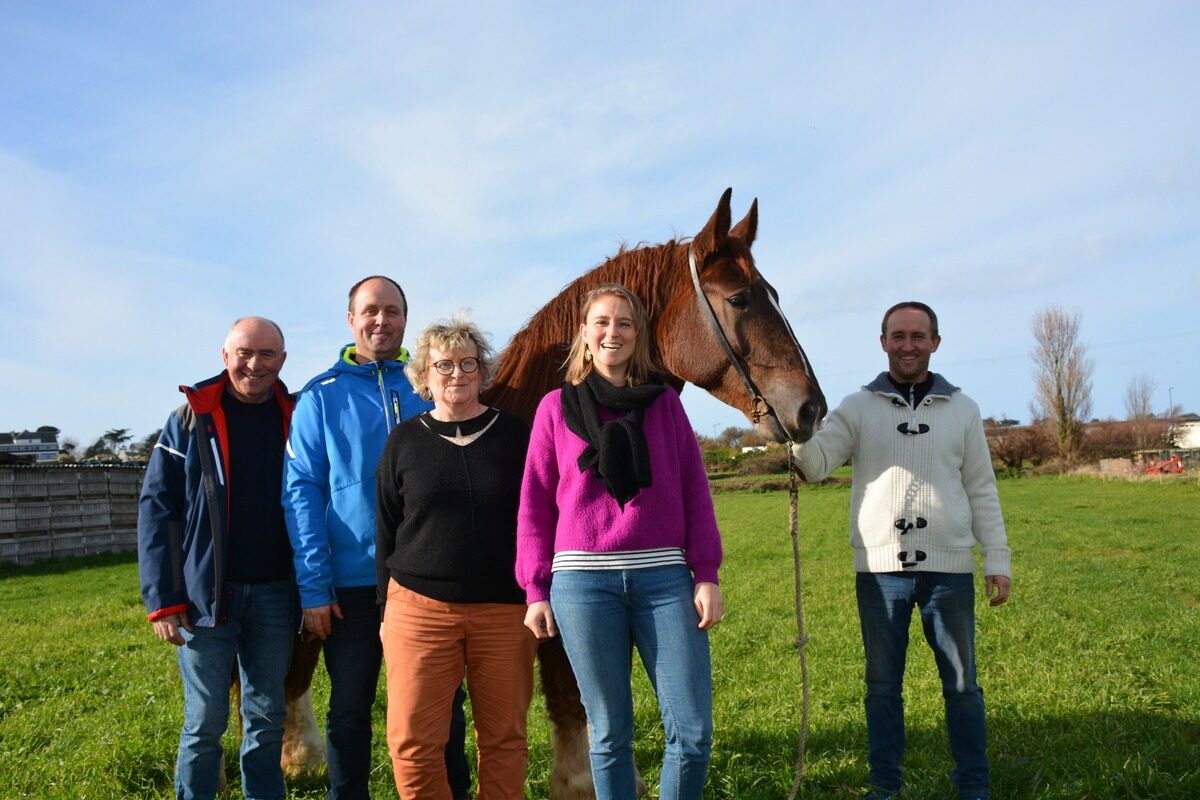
{"x": 882, "y": 385}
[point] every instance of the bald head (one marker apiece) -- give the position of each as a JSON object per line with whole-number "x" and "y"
{"x": 253, "y": 354}
{"x": 255, "y": 322}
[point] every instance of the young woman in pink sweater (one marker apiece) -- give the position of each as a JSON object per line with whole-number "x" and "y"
{"x": 617, "y": 543}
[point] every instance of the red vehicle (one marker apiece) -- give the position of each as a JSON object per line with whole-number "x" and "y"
{"x": 1171, "y": 466}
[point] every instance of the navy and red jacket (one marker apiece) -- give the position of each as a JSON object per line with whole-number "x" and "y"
{"x": 183, "y": 513}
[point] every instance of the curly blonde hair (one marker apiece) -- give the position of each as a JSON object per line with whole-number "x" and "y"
{"x": 447, "y": 336}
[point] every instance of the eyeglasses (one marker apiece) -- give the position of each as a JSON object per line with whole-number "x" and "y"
{"x": 446, "y": 366}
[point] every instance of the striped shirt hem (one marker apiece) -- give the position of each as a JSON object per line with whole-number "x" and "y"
{"x": 619, "y": 559}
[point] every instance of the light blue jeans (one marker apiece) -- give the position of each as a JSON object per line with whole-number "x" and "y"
{"x": 947, "y": 606}
{"x": 256, "y": 632}
{"x": 598, "y": 614}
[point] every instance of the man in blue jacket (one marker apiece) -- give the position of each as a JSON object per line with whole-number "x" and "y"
{"x": 340, "y": 426}
{"x": 215, "y": 561}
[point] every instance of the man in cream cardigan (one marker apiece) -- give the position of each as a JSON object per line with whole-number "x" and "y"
{"x": 923, "y": 495}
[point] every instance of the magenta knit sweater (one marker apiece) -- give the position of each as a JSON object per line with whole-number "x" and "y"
{"x": 565, "y": 509}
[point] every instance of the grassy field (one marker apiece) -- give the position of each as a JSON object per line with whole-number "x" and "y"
{"x": 1091, "y": 672}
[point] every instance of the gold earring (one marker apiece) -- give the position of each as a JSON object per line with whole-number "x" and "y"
{"x": 587, "y": 355}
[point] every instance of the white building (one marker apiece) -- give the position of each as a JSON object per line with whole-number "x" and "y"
{"x": 42, "y": 444}
{"x": 1186, "y": 433}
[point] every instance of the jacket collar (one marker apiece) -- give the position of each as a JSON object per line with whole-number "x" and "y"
{"x": 347, "y": 363}
{"x": 205, "y": 396}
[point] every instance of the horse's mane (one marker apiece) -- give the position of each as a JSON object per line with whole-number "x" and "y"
{"x": 531, "y": 364}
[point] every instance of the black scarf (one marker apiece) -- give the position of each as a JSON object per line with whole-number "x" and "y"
{"x": 616, "y": 450}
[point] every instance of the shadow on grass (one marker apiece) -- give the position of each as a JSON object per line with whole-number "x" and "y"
{"x": 1093, "y": 755}
{"x": 1089, "y": 755}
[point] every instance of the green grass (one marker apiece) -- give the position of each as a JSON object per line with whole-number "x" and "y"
{"x": 1091, "y": 671}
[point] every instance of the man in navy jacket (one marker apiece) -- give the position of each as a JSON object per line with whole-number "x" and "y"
{"x": 216, "y": 563}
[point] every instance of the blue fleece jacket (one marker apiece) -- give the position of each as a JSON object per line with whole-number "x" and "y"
{"x": 339, "y": 428}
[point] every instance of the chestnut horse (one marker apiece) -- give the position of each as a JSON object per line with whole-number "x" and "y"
{"x": 760, "y": 369}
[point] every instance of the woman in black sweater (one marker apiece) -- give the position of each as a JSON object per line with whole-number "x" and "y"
{"x": 448, "y": 486}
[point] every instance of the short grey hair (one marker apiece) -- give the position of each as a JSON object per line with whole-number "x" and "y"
{"x": 446, "y": 335}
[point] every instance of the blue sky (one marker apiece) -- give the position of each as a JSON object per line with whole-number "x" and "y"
{"x": 168, "y": 167}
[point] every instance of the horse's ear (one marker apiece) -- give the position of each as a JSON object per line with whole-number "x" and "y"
{"x": 747, "y": 229}
{"x": 713, "y": 234}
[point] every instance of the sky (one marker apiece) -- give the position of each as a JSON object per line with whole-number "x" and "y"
{"x": 168, "y": 167}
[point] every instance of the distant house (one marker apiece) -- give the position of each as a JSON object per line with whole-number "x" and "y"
{"x": 1185, "y": 433}
{"x": 40, "y": 446}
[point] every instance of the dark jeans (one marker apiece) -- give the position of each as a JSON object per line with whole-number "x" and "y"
{"x": 947, "y": 606}
{"x": 353, "y": 654}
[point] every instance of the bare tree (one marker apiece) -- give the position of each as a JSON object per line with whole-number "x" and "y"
{"x": 1062, "y": 376}
{"x": 1139, "y": 397}
{"x": 731, "y": 437}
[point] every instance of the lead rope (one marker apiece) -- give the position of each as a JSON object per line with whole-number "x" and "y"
{"x": 801, "y": 636}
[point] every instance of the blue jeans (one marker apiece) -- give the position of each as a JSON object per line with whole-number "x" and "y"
{"x": 947, "y": 606}
{"x": 353, "y": 654}
{"x": 257, "y": 628}
{"x": 598, "y": 613}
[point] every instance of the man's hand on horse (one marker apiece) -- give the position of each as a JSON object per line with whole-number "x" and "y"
{"x": 318, "y": 620}
{"x": 167, "y": 628}
{"x": 710, "y": 605}
{"x": 540, "y": 619}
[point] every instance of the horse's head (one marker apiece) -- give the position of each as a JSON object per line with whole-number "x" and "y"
{"x": 748, "y": 316}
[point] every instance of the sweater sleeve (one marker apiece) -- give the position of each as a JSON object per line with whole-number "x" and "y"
{"x": 537, "y": 517}
{"x": 831, "y": 446}
{"x": 389, "y": 511}
{"x": 979, "y": 482}
{"x": 702, "y": 537}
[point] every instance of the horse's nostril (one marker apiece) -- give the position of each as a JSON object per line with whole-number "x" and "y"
{"x": 810, "y": 412}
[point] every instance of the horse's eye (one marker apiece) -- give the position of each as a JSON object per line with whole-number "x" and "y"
{"x": 738, "y": 301}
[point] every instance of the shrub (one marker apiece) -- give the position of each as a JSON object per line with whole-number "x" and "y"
{"x": 769, "y": 462}
{"x": 719, "y": 459}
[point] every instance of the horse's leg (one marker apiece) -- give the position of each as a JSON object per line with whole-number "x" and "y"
{"x": 222, "y": 781}
{"x": 571, "y": 778}
{"x": 303, "y": 747}
{"x": 235, "y": 699}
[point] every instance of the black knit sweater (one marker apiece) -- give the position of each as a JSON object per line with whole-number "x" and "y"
{"x": 447, "y": 513}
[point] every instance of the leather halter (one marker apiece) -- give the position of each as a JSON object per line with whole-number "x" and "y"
{"x": 759, "y": 406}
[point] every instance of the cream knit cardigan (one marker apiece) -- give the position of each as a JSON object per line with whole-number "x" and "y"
{"x": 923, "y": 490}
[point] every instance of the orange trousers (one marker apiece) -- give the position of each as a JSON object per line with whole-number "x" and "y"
{"x": 429, "y": 645}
